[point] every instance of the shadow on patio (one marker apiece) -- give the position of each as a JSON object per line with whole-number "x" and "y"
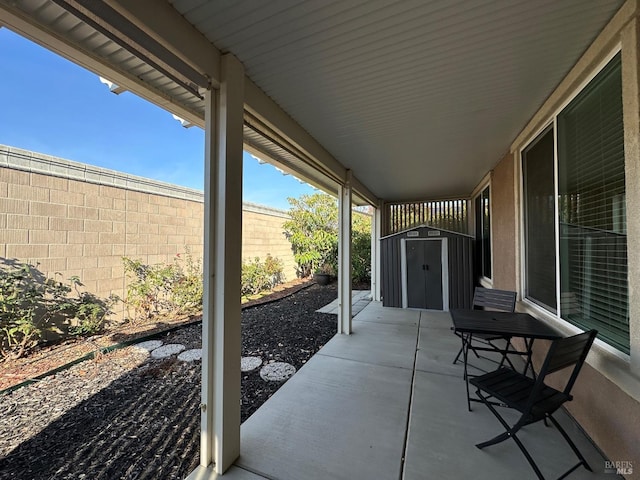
{"x": 387, "y": 403}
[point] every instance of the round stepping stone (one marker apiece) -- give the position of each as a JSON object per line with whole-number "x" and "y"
{"x": 277, "y": 372}
{"x": 149, "y": 345}
{"x": 167, "y": 350}
{"x": 191, "y": 355}
{"x": 250, "y": 363}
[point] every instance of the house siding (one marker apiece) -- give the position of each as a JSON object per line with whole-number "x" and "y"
{"x": 607, "y": 394}
{"x": 504, "y": 232}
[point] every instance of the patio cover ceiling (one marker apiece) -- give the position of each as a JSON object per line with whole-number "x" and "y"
{"x": 418, "y": 98}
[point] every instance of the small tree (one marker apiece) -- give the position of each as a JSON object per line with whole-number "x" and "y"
{"x": 361, "y": 247}
{"x": 313, "y": 232}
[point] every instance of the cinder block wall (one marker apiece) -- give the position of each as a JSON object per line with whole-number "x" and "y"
{"x": 263, "y": 233}
{"x": 77, "y": 219}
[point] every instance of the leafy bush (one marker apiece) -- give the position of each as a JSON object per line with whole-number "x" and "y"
{"x": 313, "y": 233}
{"x": 187, "y": 289}
{"x": 32, "y": 305}
{"x": 148, "y": 290}
{"x": 361, "y": 248}
{"x": 90, "y": 312}
{"x": 258, "y": 276}
{"x": 163, "y": 288}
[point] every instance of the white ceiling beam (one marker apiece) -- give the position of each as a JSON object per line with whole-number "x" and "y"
{"x": 122, "y": 31}
{"x": 24, "y": 25}
{"x": 261, "y": 106}
{"x": 324, "y": 184}
{"x": 158, "y": 19}
{"x": 176, "y": 34}
{"x": 362, "y": 191}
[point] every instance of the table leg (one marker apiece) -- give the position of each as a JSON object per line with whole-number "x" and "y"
{"x": 528, "y": 342}
{"x": 465, "y": 352}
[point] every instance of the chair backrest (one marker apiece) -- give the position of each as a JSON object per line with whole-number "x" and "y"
{"x": 567, "y": 352}
{"x": 563, "y": 353}
{"x": 492, "y": 299}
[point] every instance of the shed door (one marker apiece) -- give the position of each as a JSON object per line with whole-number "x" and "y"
{"x": 424, "y": 274}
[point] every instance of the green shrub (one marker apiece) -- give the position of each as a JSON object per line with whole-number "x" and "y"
{"x": 260, "y": 276}
{"x": 361, "y": 248}
{"x": 313, "y": 233}
{"x": 163, "y": 288}
{"x": 89, "y": 312}
{"x": 187, "y": 289}
{"x": 32, "y": 305}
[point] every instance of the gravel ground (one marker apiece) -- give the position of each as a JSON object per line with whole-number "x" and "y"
{"x": 125, "y": 415}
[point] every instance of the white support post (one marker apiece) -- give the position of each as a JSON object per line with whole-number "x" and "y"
{"x": 221, "y": 341}
{"x": 376, "y": 233}
{"x": 374, "y": 253}
{"x": 344, "y": 257}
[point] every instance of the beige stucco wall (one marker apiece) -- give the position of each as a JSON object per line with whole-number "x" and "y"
{"x": 503, "y": 225}
{"x": 62, "y": 216}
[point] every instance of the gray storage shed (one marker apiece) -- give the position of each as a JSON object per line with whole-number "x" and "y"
{"x": 426, "y": 267}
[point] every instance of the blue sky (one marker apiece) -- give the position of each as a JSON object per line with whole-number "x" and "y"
{"x": 52, "y": 106}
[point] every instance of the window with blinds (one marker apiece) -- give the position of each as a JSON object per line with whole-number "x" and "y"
{"x": 591, "y": 209}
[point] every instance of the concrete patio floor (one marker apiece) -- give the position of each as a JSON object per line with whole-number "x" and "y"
{"x": 387, "y": 403}
{"x": 359, "y": 300}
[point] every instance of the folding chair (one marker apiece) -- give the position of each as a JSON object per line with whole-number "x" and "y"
{"x": 490, "y": 299}
{"x": 532, "y": 398}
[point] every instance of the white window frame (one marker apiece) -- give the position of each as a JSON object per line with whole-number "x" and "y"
{"x": 602, "y": 350}
{"x": 485, "y": 281}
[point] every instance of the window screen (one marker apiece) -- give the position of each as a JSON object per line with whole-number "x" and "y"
{"x": 591, "y": 196}
{"x": 540, "y": 233}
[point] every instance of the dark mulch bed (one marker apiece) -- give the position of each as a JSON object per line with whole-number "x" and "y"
{"x": 125, "y": 416}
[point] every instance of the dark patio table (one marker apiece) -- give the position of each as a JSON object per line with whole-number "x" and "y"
{"x": 506, "y": 324}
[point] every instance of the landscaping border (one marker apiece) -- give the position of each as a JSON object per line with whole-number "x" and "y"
{"x": 270, "y": 298}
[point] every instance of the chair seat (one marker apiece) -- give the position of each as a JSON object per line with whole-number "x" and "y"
{"x": 514, "y": 390}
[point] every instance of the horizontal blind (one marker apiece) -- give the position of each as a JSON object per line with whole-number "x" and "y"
{"x": 591, "y": 196}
